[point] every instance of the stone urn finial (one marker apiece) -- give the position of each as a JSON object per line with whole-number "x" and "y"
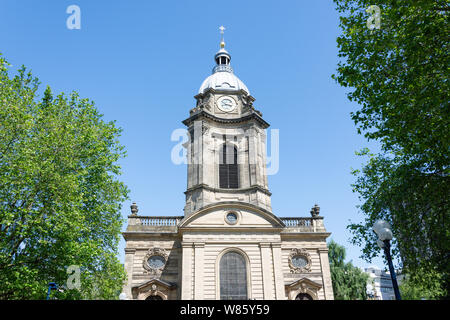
{"x": 134, "y": 208}
{"x": 315, "y": 211}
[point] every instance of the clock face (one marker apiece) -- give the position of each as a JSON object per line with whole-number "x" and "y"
{"x": 226, "y": 104}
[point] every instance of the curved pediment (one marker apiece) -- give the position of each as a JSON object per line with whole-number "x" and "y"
{"x": 247, "y": 216}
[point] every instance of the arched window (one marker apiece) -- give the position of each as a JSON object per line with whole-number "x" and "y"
{"x": 233, "y": 277}
{"x": 228, "y": 167}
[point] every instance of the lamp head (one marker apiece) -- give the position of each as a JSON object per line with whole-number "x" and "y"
{"x": 385, "y": 234}
{"x": 379, "y": 225}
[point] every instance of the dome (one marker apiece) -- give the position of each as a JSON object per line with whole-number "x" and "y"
{"x": 223, "y": 80}
{"x": 222, "y": 77}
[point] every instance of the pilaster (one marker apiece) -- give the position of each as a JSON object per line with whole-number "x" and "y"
{"x": 266, "y": 266}
{"x": 186, "y": 283}
{"x": 129, "y": 262}
{"x": 278, "y": 271}
{"x": 199, "y": 249}
{"x": 326, "y": 275}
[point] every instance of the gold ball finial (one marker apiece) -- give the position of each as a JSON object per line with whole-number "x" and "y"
{"x": 222, "y": 42}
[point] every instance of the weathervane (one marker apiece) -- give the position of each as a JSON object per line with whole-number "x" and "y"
{"x": 222, "y": 42}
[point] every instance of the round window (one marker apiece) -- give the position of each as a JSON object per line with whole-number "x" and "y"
{"x": 232, "y": 218}
{"x": 299, "y": 261}
{"x": 156, "y": 262}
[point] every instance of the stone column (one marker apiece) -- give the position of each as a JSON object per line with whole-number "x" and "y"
{"x": 186, "y": 279}
{"x": 278, "y": 271}
{"x": 252, "y": 157}
{"x": 129, "y": 262}
{"x": 199, "y": 249}
{"x": 264, "y": 159}
{"x": 266, "y": 266}
{"x": 326, "y": 275}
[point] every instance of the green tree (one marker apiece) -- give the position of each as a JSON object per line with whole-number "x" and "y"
{"x": 399, "y": 75}
{"x": 60, "y": 198}
{"x": 349, "y": 282}
{"x": 425, "y": 285}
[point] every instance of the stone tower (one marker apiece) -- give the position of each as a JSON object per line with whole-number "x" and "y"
{"x": 227, "y": 146}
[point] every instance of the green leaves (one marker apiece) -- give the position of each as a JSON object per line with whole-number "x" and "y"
{"x": 349, "y": 282}
{"x": 59, "y": 192}
{"x": 399, "y": 76}
{"x": 426, "y": 284}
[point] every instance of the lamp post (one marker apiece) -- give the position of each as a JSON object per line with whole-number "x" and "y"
{"x": 384, "y": 233}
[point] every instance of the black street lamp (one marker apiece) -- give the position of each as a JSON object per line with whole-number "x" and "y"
{"x": 384, "y": 233}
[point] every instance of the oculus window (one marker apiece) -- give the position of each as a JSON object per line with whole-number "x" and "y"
{"x": 156, "y": 262}
{"x": 299, "y": 261}
{"x": 231, "y": 218}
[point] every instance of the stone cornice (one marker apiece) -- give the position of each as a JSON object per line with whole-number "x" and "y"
{"x": 187, "y": 244}
{"x": 219, "y": 91}
{"x": 304, "y": 234}
{"x": 277, "y": 224}
{"x": 145, "y": 234}
{"x": 236, "y": 204}
{"x": 204, "y": 114}
{"x": 199, "y": 245}
{"x": 169, "y": 285}
{"x": 239, "y": 190}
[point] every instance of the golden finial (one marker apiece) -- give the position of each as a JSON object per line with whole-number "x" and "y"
{"x": 222, "y": 42}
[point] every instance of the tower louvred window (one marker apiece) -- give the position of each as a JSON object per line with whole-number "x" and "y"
{"x": 228, "y": 167}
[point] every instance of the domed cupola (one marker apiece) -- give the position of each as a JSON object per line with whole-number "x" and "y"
{"x": 223, "y": 77}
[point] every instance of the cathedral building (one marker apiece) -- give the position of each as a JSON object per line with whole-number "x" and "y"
{"x": 229, "y": 244}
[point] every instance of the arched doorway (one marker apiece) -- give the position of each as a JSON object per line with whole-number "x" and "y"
{"x": 233, "y": 277}
{"x": 156, "y": 297}
{"x": 303, "y": 296}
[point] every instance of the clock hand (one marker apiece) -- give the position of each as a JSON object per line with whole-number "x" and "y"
{"x": 226, "y": 103}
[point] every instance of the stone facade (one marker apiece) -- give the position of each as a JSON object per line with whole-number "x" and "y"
{"x": 182, "y": 257}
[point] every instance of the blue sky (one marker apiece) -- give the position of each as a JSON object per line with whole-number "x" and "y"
{"x": 143, "y": 61}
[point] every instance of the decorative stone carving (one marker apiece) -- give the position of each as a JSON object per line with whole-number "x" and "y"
{"x": 302, "y": 253}
{"x": 155, "y": 270}
{"x": 153, "y": 288}
{"x": 134, "y": 208}
{"x": 315, "y": 211}
{"x": 303, "y": 286}
{"x": 203, "y": 102}
{"x": 205, "y": 128}
{"x": 207, "y": 102}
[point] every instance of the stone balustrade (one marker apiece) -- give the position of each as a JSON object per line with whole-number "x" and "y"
{"x": 295, "y": 222}
{"x": 157, "y": 221}
{"x": 160, "y": 221}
